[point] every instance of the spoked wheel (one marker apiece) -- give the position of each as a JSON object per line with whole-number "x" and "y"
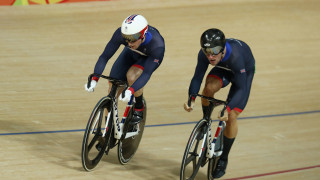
{"x": 128, "y": 147}
{"x": 195, "y": 155}
{"x": 94, "y": 144}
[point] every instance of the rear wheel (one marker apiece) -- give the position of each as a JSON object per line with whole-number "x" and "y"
{"x": 212, "y": 166}
{"x": 218, "y": 147}
{"x": 94, "y": 143}
{"x": 194, "y": 155}
{"x": 128, "y": 147}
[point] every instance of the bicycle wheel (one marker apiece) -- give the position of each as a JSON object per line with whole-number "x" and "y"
{"x": 128, "y": 147}
{"x": 94, "y": 144}
{"x": 192, "y": 160}
{"x": 212, "y": 166}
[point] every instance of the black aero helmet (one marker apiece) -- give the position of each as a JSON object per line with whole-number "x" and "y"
{"x": 212, "y": 41}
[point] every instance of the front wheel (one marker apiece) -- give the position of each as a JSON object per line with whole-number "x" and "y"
{"x": 94, "y": 143}
{"x": 195, "y": 152}
{"x": 128, "y": 147}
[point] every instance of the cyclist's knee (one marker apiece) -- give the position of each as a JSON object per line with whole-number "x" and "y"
{"x": 133, "y": 74}
{"x": 207, "y": 91}
{"x": 212, "y": 86}
{"x": 232, "y": 117}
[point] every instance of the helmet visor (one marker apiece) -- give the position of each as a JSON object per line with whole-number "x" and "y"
{"x": 214, "y": 51}
{"x": 131, "y": 37}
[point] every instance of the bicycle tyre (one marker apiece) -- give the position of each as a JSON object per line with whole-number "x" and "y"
{"x": 128, "y": 147}
{"x": 192, "y": 151}
{"x": 212, "y": 166}
{"x": 93, "y": 144}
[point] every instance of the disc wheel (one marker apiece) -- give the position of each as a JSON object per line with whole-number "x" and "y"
{"x": 128, "y": 147}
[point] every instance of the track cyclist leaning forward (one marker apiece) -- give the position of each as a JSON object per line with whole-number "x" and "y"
{"x": 142, "y": 55}
{"x": 233, "y": 63}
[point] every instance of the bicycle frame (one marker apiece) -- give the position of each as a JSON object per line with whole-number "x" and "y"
{"x": 211, "y": 145}
{"x": 118, "y": 126}
{"x": 209, "y": 142}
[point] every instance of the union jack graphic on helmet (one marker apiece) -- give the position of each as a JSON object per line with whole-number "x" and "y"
{"x": 130, "y": 19}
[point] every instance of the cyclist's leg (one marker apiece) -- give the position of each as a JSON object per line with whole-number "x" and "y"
{"x": 216, "y": 79}
{"x": 133, "y": 74}
{"x": 121, "y": 66}
{"x": 142, "y": 69}
{"x": 231, "y": 129}
{"x": 138, "y": 75}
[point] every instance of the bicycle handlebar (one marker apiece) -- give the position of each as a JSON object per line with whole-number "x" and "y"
{"x": 117, "y": 82}
{"x": 215, "y": 102}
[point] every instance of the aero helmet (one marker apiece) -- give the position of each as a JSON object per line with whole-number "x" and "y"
{"x": 212, "y": 41}
{"x": 134, "y": 27}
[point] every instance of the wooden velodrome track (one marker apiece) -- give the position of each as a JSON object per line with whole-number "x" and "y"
{"x": 47, "y": 52}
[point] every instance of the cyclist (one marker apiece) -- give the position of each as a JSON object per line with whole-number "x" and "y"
{"x": 233, "y": 63}
{"x": 142, "y": 55}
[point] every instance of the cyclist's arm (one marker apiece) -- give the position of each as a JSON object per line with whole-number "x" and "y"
{"x": 110, "y": 49}
{"x": 200, "y": 71}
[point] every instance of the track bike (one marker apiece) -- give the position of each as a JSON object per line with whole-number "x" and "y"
{"x": 105, "y": 131}
{"x": 201, "y": 148}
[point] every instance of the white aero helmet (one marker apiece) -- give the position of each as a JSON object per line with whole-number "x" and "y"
{"x": 134, "y": 27}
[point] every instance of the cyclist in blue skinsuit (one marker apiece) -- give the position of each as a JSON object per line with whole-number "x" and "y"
{"x": 142, "y": 55}
{"x": 233, "y": 63}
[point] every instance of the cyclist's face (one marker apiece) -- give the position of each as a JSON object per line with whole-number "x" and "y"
{"x": 214, "y": 55}
{"x": 134, "y": 44}
{"x": 214, "y": 59}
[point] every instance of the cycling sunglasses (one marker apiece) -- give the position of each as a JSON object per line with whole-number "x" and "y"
{"x": 131, "y": 38}
{"x": 214, "y": 51}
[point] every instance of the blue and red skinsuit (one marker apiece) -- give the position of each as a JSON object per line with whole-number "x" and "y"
{"x": 237, "y": 67}
{"x": 147, "y": 57}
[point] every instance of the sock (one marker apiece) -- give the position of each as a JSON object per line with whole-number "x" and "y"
{"x": 139, "y": 103}
{"x": 205, "y": 110}
{"x": 227, "y": 143}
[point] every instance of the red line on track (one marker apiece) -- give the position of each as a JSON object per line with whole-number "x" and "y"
{"x": 273, "y": 173}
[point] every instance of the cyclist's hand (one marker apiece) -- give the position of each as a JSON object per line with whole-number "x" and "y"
{"x": 224, "y": 117}
{"x": 127, "y": 95}
{"x": 189, "y": 108}
{"x": 93, "y": 84}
